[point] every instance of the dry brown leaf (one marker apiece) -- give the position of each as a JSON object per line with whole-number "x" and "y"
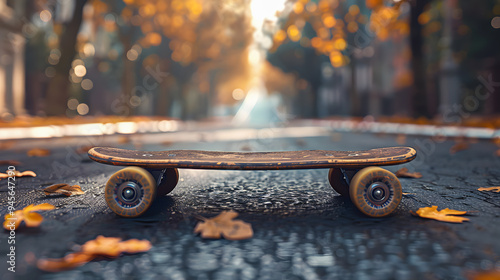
{"x": 109, "y": 247}
{"x": 28, "y": 215}
{"x": 10, "y": 162}
{"x": 403, "y": 173}
{"x": 485, "y": 275}
{"x": 64, "y": 189}
{"x": 459, "y": 146}
{"x": 17, "y": 173}
{"x": 83, "y": 149}
{"x": 497, "y": 153}
{"x": 490, "y": 189}
{"x": 401, "y": 139}
{"x": 224, "y": 225}
{"x": 70, "y": 261}
{"x": 443, "y": 215}
{"x": 37, "y": 152}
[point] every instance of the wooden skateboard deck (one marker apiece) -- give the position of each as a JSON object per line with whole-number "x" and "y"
{"x": 252, "y": 160}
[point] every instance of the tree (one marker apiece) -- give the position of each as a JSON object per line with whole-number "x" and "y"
{"x": 207, "y": 40}
{"x": 330, "y": 29}
{"x": 58, "y": 88}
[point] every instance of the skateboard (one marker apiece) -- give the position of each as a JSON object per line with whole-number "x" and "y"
{"x": 375, "y": 191}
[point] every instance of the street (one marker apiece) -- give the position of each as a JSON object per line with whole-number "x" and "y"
{"x": 302, "y": 228}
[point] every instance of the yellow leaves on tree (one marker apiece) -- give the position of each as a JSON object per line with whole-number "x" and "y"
{"x": 108, "y": 247}
{"x": 384, "y": 21}
{"x": 64, "y": 189}
{"x": 223, "y": 225}
{"x": 28, "y": 215}
{"x": 403, "y": 173}
{"x": 445, "y": 215}
{"x": 17, "y": 174}
{"x": 490, "y": 189}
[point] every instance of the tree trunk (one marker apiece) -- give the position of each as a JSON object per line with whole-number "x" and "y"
{"x": 58, "y": 89}
{"x": 418, "y": 94}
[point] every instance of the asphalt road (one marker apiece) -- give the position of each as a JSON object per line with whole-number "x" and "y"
{"x": 302, "y": 228}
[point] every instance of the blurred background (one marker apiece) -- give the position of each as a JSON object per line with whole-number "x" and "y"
{"x": 251, "y": 61}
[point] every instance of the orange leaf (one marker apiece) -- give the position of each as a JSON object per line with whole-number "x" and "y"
{"x": 459, "y": 146}
{"x": 17, "y": 173}
{"x": 9, "y": 162}
{"x": 37, "y": 152}
{"x": 39, "y": 207}
{"x": 65, "y": 189}
{"x": 27, "y": 215}
{"x": 109, "y": 247}
{"x": 485, "y": 275}
{"x": 68, "y": 262}
{"x": 104, "y": 246}
{"x": 443, "y": 215}
{"x": 133, "y": 246}
{"x": 490, "y": 189}
{"x": 403, "y": 173}
{"x": 224, "y": 225}
{"x": 83, "y": 149}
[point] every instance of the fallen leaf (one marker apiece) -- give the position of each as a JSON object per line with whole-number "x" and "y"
{"x": 37, "y": 152}
{"x": 459, "y": 146}
{"x": 485, "y": 275}
{"x": 224, "y": 225}
{"x": 28, "y": 215}
{"x": 17, "y": 173}
{"x": 109, "y": 247}
{"x": 401, "y": 139}
{"x": 490, "y": 189}
{"x": 497, "y": 153}
{"x": 65, "y": 189}
{"x": 403, "y": 173}
{"x": 9, "y": 162}
{"x": 83, "y": 149}
{"x": 443, "y": 215}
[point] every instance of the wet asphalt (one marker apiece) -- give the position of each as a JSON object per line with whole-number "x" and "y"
{"x": 302, "y": 228}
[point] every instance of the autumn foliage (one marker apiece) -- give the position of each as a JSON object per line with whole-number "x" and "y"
{"x": 28, "y": 215}
{"x": 333, "y": 21}
{"x": 445, "y": 215}
{"x": 108, "y": 247}
{"x": 223, "y": 225}
{"x": 64, "y": 189}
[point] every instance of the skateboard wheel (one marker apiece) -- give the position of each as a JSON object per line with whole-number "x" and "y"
{"x": 375, "y": 191}
{"x": 130, "y": 191}
{"x": 337, "y": 181}
{"x": 168, "y": 182}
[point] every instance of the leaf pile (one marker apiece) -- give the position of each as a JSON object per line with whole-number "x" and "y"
{"x": 223, "y": 225}
{"x": 107, "y": 247}
{"x": 64, "y": 189}
{"x": 403, "y": 173}
{"x": 28, "y": 215}
{"x": 490, "y": 189}
{"x": 17, "y": 173}
{"x": 444, "y": 215}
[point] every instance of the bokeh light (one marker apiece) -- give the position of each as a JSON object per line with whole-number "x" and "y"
{"x": 80, "y": 70}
